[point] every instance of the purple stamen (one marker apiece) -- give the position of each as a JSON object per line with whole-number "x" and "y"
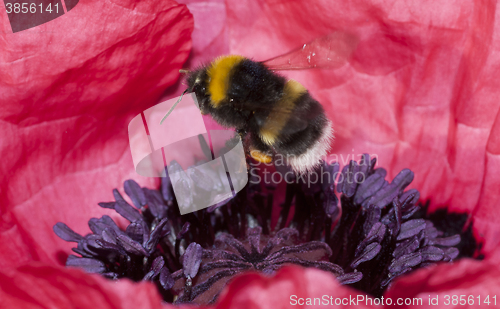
{"x": 369, "y": 234}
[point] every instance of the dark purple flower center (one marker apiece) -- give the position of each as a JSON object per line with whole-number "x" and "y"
{"x": 377, "y": 233}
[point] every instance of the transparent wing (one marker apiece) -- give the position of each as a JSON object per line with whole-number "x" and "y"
{"x": 330, "y": 51}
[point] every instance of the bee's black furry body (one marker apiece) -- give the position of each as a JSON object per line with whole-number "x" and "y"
{"x": 280, "y": 116}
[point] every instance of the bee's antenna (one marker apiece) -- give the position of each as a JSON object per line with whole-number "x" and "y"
{"x": 172, "y": 108}
{"x": 184, "y": 71}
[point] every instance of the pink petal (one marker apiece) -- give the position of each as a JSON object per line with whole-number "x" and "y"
{"x": 478, "y": 279}
{"x": 290, "y": 287}
{"x": 40, "y": 286}
{"x": 210, "y": 36}
{"x": 70, "y": 87}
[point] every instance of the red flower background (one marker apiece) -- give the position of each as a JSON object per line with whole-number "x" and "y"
{"x": 421, "y": 91}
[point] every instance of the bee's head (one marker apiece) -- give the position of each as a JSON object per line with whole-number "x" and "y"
{"x": 197, "y": 83}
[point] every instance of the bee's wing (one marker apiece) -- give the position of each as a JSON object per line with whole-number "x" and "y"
{"x": 330, "y": 51}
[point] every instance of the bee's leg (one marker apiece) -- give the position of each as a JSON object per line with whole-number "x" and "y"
{"x": 260, "y": 151}
{"x": 260, "y": 156}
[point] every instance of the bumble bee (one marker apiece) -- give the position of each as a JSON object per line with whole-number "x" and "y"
{"x": 273, "y": 115}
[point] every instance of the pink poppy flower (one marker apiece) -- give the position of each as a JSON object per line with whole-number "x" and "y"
{"x": 419, "y": 93}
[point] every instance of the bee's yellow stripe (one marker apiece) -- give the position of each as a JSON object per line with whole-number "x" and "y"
{"x": 281, "y": 112}
{"x": 219, "y": 75}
